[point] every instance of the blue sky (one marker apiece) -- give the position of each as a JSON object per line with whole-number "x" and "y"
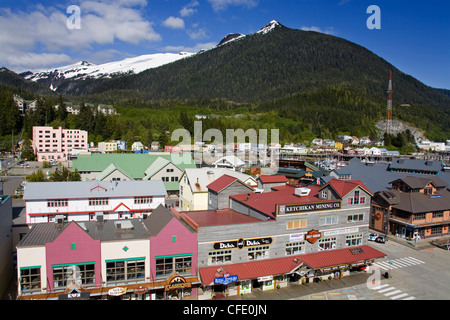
{"x": 414, "y": 35}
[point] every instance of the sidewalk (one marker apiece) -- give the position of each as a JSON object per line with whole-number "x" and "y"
{"x": 421, "y": 244}
{"x": 297, "y": 291}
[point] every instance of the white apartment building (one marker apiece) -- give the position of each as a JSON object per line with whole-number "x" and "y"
{"x": 91, "y": 200}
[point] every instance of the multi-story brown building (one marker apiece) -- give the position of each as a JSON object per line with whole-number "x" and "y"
{"x": 414, "y": 206}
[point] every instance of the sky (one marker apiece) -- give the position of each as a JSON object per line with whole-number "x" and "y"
{"x": 414, "y": 36}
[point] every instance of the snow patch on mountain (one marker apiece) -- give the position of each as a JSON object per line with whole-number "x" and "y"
{"x": 269, "y": 27}
{"x": 84, "y": 69}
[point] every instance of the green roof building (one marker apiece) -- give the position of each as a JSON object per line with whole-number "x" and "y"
{"x": 135, "y": 166}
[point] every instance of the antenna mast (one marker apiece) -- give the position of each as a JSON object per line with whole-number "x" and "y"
{"x": 389, "y": 105}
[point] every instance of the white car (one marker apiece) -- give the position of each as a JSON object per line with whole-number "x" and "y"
{"x": 373, "y": 236}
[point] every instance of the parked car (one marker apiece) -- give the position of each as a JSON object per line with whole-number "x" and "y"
{"x": 381, "y": 239}
{"x": 373, "y": 236}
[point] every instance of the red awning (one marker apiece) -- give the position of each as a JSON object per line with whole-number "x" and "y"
{"x": 318, "y": 260}
{"x": 251, "y": 270}
{"x": 328, "y": 258}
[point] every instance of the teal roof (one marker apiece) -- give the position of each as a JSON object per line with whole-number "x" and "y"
{"x": 133, "y": 165}
{"x": 110, "y": 169}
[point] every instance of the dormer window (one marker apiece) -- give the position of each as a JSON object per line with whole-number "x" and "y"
{"x": 323, "y": 195}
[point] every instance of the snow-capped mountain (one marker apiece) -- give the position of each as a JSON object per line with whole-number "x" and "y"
{"x": 52, "y": 78}
{"x": 269, "y": 27}
{"x": 84, "y": 69}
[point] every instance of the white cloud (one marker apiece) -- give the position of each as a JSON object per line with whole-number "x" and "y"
{"x": 218, "y": 5}
{"x": 188, "y": 9}
{"x": 174, "y": 23}
{"x": 37, "y": 60}
{"x": 328, "y": 30}
{"x": 197, "y": 34}
{"x": 102, "y": 22}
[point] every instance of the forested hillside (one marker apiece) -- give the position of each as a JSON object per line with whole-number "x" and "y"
{"x": 260, "y": 67}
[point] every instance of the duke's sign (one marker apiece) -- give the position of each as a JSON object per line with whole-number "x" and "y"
{"x": 241, "y": 243}
{"x": 296, "y": 208}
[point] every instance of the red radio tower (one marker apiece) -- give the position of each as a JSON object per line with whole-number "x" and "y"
{"x": 389, "y": 105}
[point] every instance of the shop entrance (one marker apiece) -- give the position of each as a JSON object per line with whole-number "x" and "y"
{"x": 256, "y": 284}
{"x": 218, "y": 288}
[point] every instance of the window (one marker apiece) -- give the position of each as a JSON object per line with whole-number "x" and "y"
{"x": 57, "y": 203}
{"x": 125, "y": 271}
{"x": 169, "y": 170}
{"x": 64, "y": 276}
{"x": 219, "y": 257}
{"x": 436, "y": 230}
{"x": 323, "y": 194}
{"x": 141, "y": 200}
{"x": 30, "y": 279}
{"x": 296, "y": 224}
{"x": 167, "y": 265}
{"x": 354, "y": 239}
{"x": 428, "y": 190}
{"x": 356, "y": 197}
{"x": 328, "y": 220}
{"x": 98, "y": 201}
{"x": 355, "y": 217}
{"x": 258, "y": 253}
{"x": 295, "y": 248}
{"x": 438, "y": 214}
{"x": 419, "y": 216}
{"x": 327, "y": 243}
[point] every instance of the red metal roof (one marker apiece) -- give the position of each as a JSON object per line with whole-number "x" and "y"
{"x": 251, "y": 270}
{"x": 341, "y": 256}
{"x": 205, "y": 218}
{"x": 261, "y": 268}
{"x": 223, "y": 182}
{"x": 343, "y": 187}
{"x": 273, "y": 178}
{"x": 266, "y": 202}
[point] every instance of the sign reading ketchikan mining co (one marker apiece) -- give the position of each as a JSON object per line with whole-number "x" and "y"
{"x": 297, "y": 208}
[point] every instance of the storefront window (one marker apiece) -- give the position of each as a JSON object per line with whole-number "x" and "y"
{"x": 30, "y": 279}
{"x": 327, "y": 243}
{"x": 166, "y": 266}
{"x": 64, "y": 276}
{"x": 354, "y": 240}
{"x": 295, "y": 247}
{"x": 218, "y": 257}
{"x": 258, "y": 253}
{"x": 125, "y": 271}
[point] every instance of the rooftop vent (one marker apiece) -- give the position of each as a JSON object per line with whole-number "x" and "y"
{"x": 123, "y": 225}
{"x": 302, "y": 192}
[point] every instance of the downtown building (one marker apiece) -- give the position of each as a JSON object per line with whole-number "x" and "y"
{"x": 91, "y": 200}
{"x": 58, "y": 144}
{"x": 152, "y": 258}
{"x": 288, "y": 236}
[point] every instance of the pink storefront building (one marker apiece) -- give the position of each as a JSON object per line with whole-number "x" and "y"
{"x": 138, "y": 259}
{"x": 58, "y": 144}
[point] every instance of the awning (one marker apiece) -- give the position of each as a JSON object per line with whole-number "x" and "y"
{"x": 287, "y": 265}
{"x": 349, "y": 255}
{"x": 251, "y": 270}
